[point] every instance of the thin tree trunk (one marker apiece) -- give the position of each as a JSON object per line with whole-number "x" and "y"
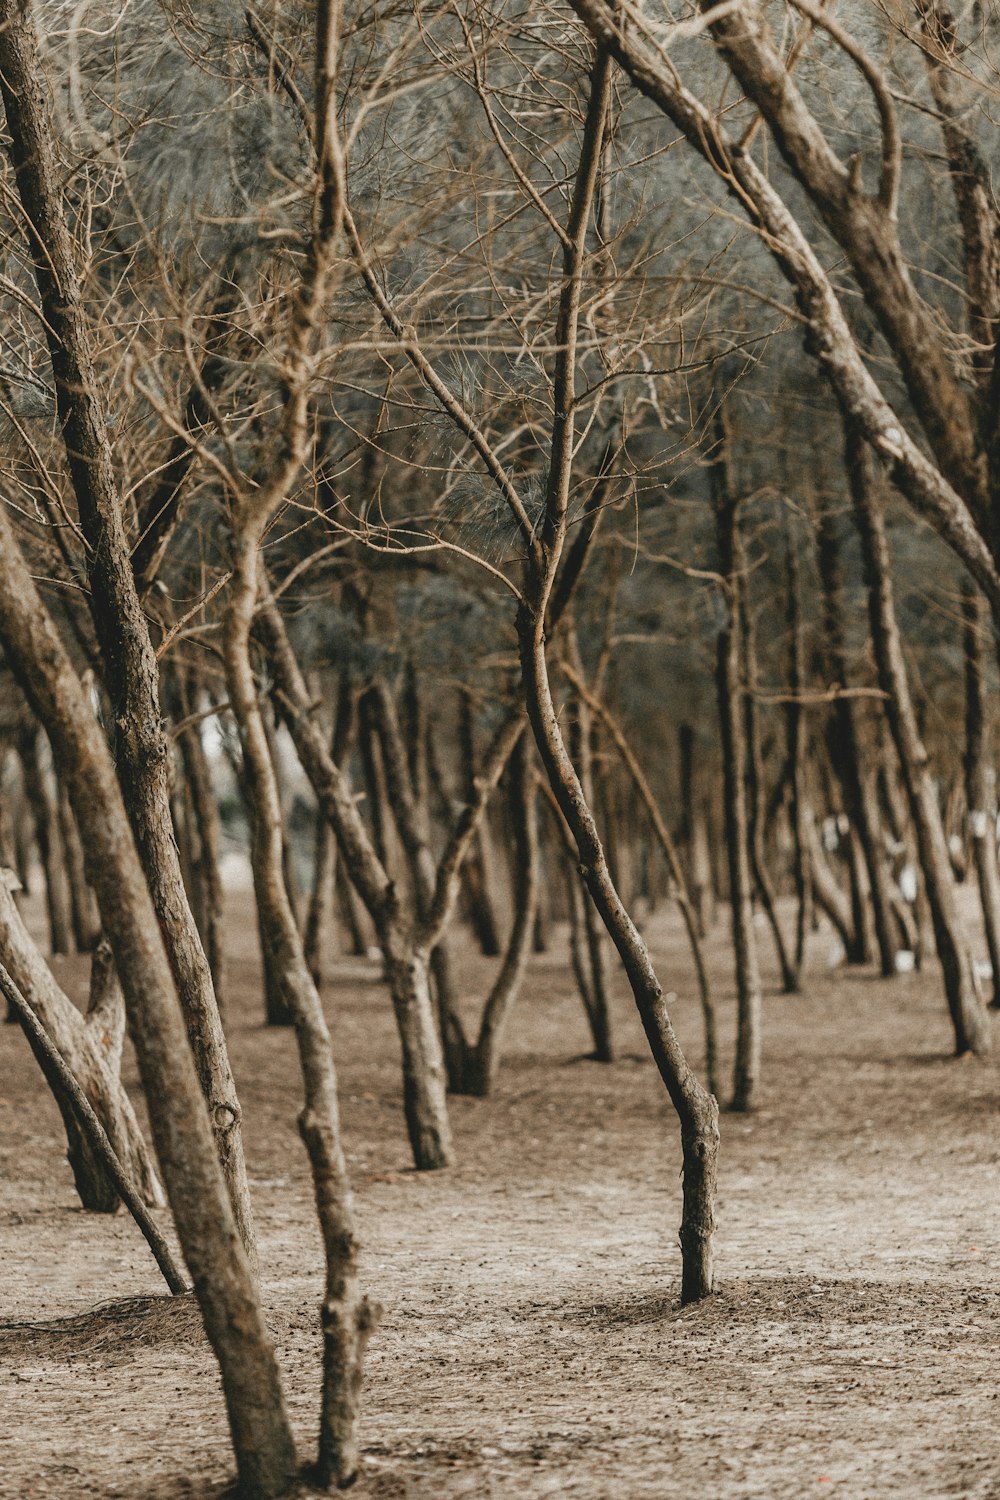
{"x": 675, "y": 867}
{"x": 208, "y": 835}
{"x": 826, "y": 890}
{"x": 86, "y": 924}
{"x": 848, "y": 758}
{"x": 479, "y": 866}
{"x": 695, "y": 833}
{"x": 969, "y": 1020}
{"x": 406, "y": 961}
{"x": 797, "y": 747}
{"x": 980, "y": 797}
{"x": 484, "y": 1058}
{"x": 581, "y": 731}
{"x": 347, "y": 1317}
{"x": 91, "y": 1048}
{"x": 755, "y": 790}
{"x": 45, "y": 811}
{"x": 321, "y": 899}
{"x": 732, "y": 723}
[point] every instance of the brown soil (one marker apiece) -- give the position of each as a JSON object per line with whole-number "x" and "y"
{"x": 532, "y": 1343}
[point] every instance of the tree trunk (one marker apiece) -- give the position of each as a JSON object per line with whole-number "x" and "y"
{"x": 221, "y": 1273}
{"x": 695, "y": 833}
{"x": 969, "y": 1020}
{"x": 130, "y": 668}
{"x": 479, "y": 866}
{"x": 848, "y": 758}
{"x": 92, "y": 1139}
{"x": 91, "y": 1049}
{"x": 980, "y": 794}
{"x": 797, "y": 747}
{"x": 581, "y": 747}
{"x": 86, "y": 924}
{"x": 755, "y": 771}
{"x": 208, "y": 835}
{"x": 406, "y": 962}
{"x": 45, "y": 811}
{"x": 325, "y": 861}
{"x": 732, "y": 723}
{"x": 346, "y": 1316}
{"x": 484, "y": 1056}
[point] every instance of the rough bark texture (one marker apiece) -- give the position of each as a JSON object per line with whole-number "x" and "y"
{"x": 182, "y": 1133}
{"x": 129, "y": 663}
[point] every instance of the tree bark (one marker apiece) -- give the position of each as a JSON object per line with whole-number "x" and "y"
{"x": 45, "y": 812}
{"x": 969, "y": 1020}
{"x": 92, "y": 1137}
{"x": 130, "y": 666}
{"x": 797, "y": 747}
{"x": 732, "y": 725}
{"x": 91, "y": 1049}
{"x": 221, "y": 1273}
{"x": 980, "y": 795}
{"x": 696, "y": 835}
{"x": 208, "y": 831}
{"x": 848, "y": 759}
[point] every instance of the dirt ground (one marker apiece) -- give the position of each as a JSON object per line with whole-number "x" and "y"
{"x": 532, "y": 1344}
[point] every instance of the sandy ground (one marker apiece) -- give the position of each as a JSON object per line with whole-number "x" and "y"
{"x": 532, "y": 1343}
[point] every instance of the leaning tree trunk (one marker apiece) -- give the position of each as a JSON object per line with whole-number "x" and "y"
{"x": 130, "y": 667}
{"x": 980, "y": 797}
{"x": 87, "y": 1129}
{"x": 970, "y": 1023}
{"x": 581, "y": 750}
{"x": 223, "y": 1279}
{"x": 91, "y": 1047}
{"x": 681, "y": 895}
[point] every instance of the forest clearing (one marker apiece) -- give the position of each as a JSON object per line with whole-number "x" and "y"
{"x": 533, "y": 1343}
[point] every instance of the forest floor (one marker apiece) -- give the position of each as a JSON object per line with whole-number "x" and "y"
{"x": 532, "y": 1341}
